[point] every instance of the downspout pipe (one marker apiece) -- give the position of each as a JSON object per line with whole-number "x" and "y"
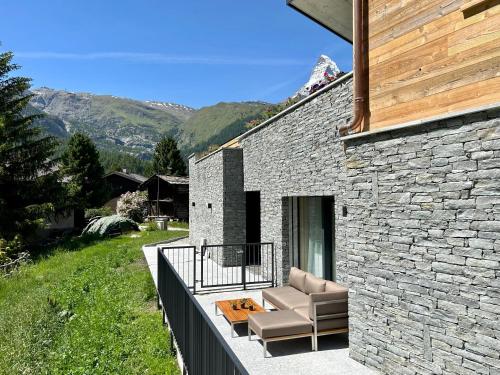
{"x": 359, "y": 79}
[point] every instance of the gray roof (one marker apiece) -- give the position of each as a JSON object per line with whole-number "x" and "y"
{"x": 131, "y": 176}
{"x": 175, "y": 180}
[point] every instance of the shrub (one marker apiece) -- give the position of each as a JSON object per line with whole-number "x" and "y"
{"x": 9, "y": 249}
{"x": 110, "y": 225}
{"x": 95, "y": 212}
{"x": 133, "y": 205}
{"x": 151, "y": 226}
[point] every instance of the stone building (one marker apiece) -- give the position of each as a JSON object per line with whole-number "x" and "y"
{"x": 405, "y": 213}
{"x": 414, "y": 223}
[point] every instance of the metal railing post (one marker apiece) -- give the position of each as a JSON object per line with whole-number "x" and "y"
{"x": 194, "y": 270}
{"x": 243, "y": 266}
{"x": 272, "y": 265}
{"x": 202, "y": 255}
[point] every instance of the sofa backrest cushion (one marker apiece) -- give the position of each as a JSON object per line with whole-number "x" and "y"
{"x": 332, "y": 286}
{"x": 314, "y": 284}
{"x": 297, "y": 279}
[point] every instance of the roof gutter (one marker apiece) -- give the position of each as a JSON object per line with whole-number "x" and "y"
{"x": 359, "y": 77}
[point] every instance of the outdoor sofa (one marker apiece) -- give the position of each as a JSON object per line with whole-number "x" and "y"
{"x": 307, "y": 307}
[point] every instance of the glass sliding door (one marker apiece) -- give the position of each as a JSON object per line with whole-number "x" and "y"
{"x": 311, "y": 235}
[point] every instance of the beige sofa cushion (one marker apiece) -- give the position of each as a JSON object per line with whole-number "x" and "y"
{"x": 279, "y": 323}
{"x": 286, "y": 297}
{"x": 314, "y": 284}
{"x": 332, "y": 286}
{"x": 297, "y": 279}
{"x": 324, "y": 325}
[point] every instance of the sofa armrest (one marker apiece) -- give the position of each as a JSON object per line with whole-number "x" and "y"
{"x": 328, "y": 305}
{"x": 328, "y": 296}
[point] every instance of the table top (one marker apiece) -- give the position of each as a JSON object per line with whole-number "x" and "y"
{"x": 240, "y": 315}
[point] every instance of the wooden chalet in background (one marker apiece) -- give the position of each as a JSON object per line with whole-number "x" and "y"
{"x": 168, "y": 196}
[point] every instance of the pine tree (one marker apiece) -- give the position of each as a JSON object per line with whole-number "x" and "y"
{"x": 167, "y": 158}
{"x": 84, "y": 172}
{"x": 29, "y": 187}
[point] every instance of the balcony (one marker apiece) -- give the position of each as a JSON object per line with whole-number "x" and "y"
{"x": 204, "y": 338}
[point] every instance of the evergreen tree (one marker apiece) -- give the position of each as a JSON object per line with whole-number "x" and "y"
{"x": 84, "y": 172}
{"x": 167, "y": 158}
{"x": 29, "y": 187}
{"x": 113, "y": 160}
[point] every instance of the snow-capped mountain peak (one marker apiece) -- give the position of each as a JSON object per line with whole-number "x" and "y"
{"x": 324, "y": 71}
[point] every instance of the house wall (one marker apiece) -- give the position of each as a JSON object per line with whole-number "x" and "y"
{"x": 217, "y": 179}
{"x": 119, "y": 185}
{"x": 423, "y": 246}
{"x": 206, "y": 185}
{"x": 181, "y": 202}
{"x": 419, "y": 248}
{"x": 300, "y": 155}
{"x": 234, "y": 197}
{"x": 430, "y": 57}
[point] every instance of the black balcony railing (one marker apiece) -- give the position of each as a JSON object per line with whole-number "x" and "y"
{"x": 202, "y": 347}
{"x": 242, "y": 264}
{"x": 183, "y": 259}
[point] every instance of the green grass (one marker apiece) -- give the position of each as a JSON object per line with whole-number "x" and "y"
{"x": 178, "y": 224}
{"x": 85, "y": 309}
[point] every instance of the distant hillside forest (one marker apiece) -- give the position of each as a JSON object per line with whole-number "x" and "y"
{"x": 134, "y": 127}
{"x": 114, "y": 160}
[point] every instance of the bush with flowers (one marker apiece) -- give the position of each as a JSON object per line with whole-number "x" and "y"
{"x": 132, "y": 205}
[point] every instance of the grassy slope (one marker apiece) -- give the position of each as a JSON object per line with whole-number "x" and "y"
{"x": 178, "y": 224}
{"x": 117, "y": 118}
{"x": 89, "y": 310}
{"x": 218, "y": 123}
{"x": 134, "y": 113}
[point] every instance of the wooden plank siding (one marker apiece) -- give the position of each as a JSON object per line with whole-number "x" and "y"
{"x": 428, "y": 57}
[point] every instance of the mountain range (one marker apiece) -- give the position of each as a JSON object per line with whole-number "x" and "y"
{"x": 135, "y": 126}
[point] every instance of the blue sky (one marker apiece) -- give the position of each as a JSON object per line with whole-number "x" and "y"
{"x": 192, "y": 52}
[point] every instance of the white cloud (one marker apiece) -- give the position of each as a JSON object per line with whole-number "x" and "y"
{"x": 159, "y": 58}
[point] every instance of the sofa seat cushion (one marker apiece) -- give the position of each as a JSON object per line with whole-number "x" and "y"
{"x": 327, "y": 324}
{"x": 285, "y": 297}
{"x": 279, "y": 323}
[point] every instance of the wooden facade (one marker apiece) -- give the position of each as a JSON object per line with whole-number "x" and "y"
{"x": 168, "y": 196}
{"x": 430, "y": 57}
{"x": 119, "y": 183}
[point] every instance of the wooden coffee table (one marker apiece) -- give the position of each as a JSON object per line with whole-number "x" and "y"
{"x": 237, "y": 316}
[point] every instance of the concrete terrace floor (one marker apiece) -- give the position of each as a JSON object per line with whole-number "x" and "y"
{"x": 287, "y": 357}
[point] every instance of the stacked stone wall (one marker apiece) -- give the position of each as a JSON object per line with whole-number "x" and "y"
{"x": 423, "y": 247}
{"x": 206, "y": 186}
{"x": 300, "y": 154}
{"x": 416, "y": 226}
{"x": 217, "y": 180}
